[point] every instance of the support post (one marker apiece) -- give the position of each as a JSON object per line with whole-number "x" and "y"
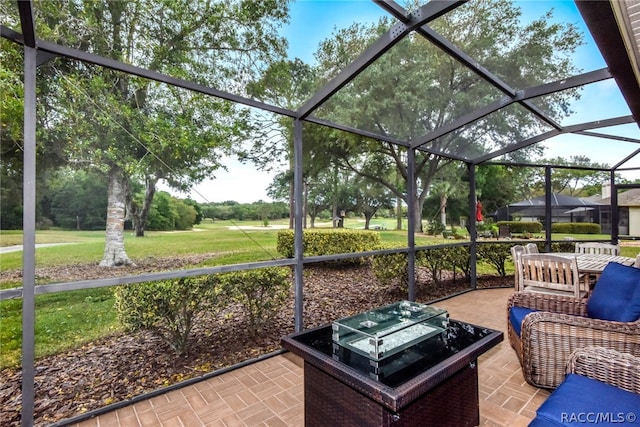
{"x": 29, "y": 239}
{"x": 411, "y": 223}
{"x": 615, "y": 214}
{"x": 473, "y": 247}
{"x": 297, "y": 225}
{"x": 548, "y": 212}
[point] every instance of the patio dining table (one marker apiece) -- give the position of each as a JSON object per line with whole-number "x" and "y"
{"x": 594, "y": 264}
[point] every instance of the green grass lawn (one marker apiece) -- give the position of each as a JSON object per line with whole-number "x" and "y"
{"x": 63, "y": 320}
{"x": 68, "y": 319}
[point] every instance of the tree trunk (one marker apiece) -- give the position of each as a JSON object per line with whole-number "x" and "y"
{"x": 304, "y": 205}
{"x": 140, "y": 216}
{"x": 292, "y": 210}
{"x": 114, "y": 253}
{"x": 398, "y": 213}
{"x": 398, "y": 205}
{"x": 367, "y": 220}
{"x": 418, "y": 213}
{"x": 443, "y": 209}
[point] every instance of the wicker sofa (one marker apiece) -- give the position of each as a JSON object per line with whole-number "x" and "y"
{"x": 545, "y": 329}
{"x": 602, "y": 387}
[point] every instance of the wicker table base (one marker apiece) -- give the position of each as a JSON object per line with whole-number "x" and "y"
{"x": 329, "y": 402}
{"x": 441, "y": 389}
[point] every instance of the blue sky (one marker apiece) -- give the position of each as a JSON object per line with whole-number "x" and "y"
{"x": 314, "y": 20}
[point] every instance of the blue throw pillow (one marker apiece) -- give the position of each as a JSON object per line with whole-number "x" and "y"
{"x": 616, "y": 295}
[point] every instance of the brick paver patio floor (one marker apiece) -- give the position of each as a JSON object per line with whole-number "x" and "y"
{"x": 270, "y": 392}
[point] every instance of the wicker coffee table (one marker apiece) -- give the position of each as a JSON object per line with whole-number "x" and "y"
{"x": 440, "y": 388}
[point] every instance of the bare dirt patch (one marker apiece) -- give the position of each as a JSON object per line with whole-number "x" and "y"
{"x": 119, "y": 367}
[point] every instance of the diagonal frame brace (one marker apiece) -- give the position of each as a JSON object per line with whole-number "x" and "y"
{"x": 533, "y": 92}
{"x": 568, "y": 129}
{"x": 426, "y": 13}
{"x": 401, "y": 14}
{"x": 27, "y": 22}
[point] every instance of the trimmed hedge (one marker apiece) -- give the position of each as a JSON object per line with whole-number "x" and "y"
{"x": 327, "y": 242}
{"x": 575, "y": 228}
{"x": 522, "y": 226}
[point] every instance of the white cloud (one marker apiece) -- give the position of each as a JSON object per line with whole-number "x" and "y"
{"x": 242, "y": 183}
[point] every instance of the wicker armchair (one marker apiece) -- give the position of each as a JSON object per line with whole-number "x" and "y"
{"x": 621, "y": 370}
{"x": 560, "y": 326}
{"x": 602, "y": 387}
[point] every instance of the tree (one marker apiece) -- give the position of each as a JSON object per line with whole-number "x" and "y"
{"x": 287, "y": 84}
{"x": 171, "y": 213}
{"x": 448, "y": 183}
{"x": 573, "y": 181}
{"x": 128, "y": 127}
{"x": 77, "y": 199}
{"x": 414, "y": 89}
{"x": 498, "y": 185}
{"x": 370, "y": 198}
{"x": 11, "y": 95}
{"x": 197, "y": 209}
{"x": 49, "y": 150}
{"x": 319, "y": 195}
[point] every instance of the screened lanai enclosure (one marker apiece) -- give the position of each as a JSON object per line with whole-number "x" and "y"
{"x": 411, "y": 102}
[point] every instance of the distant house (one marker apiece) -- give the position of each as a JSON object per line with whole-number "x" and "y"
{"x": 596, "y": 209}
{"x": 628, "y": 211}
{"x": 563, "y": 209}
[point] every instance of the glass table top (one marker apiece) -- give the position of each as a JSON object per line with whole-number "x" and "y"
{"x": 406, "y": 364}
{"x": 387, "y": 330}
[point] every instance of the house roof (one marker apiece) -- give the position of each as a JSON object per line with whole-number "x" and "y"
{"x": 626, "y": 198}
{"x": 557, "y": 200}
{"x": 615, "y": 28}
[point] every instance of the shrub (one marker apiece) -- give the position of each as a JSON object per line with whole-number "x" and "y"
{"x": 495, "y": 255}
{"x": 522, "y": 226}
{"x": 436, "y": 261}
{"x": 393, "y": 269}
{"x": 575, "y": 228}
{"x": 261, "y": 292}
{"x": 488, "y": 229}
{"x": 167, "y": 308}
{"x": 327, "y": 242}
{"x": 567, "y": 246}
{"x": 458, "y": 259}
{"x": 435, "y": 227}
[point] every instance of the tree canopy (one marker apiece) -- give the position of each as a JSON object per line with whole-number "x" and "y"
{"x": 415, "y": 89}
{"x": 130, "y": 128}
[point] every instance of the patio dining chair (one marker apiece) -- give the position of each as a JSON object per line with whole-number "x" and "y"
{"x": 544, "y": 329}
{"x": 504, "y": 231}
{"x": 531, "y": 248}
{"x": 597, "y": 248}
{"x": 516, "y": 252}
{"x": 550, "y": 274}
